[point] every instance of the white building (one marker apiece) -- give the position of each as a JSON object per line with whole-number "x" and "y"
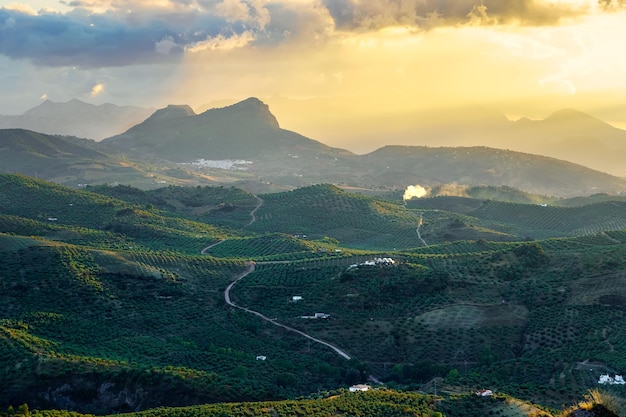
{"x": 606, "y": 379}
{"x": 359, "y": 387}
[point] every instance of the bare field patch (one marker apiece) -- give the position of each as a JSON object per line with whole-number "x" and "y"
{"x": 468, "y": 316}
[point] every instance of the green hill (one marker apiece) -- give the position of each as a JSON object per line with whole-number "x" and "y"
{"x": 229, "y": 206}
{"x": 69, "y": 210}
{"x": 107, "y": 304}
{"x": 77, "y": 162}
{"x": 538, "y": 220}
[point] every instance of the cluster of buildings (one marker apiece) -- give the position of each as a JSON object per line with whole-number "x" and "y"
{"x": 359, "y": 388}
{"x": 373, "y": 262}
{"x": 233, "y": 164}
{"x": 606, "y": 379}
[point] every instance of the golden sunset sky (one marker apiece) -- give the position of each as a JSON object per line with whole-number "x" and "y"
{"x": 326, "y": 67}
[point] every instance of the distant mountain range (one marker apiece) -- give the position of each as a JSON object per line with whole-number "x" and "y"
{"x": 244, "y": 144}
{"x": 77, "y": 118}
{"x": 566, "y": 134}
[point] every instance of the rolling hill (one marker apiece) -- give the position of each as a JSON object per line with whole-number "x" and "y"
{"x": 78, "y": 162}
{"x": 107, "y": 305}
{"x": 397, "y": 165}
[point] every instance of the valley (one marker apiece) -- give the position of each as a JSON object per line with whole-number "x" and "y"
{"x": 278, "y": 272}
{"x": 111, "y": 304}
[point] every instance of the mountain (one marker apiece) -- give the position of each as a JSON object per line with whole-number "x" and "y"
{"x": 249, "y": 131}
{"x": 77, "y": 118}
{"x": 574, "y": 136}
{"x": 244, "y": 145}
{"x": 567, "y": 134}
{"x": 245, "y": 130}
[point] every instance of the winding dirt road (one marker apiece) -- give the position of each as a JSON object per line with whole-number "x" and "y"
{"x": 253, "y": 212}
{"x": 249, "y": 270}
{"x": 203, "y": 251}
{"x": 419, "y": 236}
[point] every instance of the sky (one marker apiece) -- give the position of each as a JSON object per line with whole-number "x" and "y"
{"x": 324, "y": 66}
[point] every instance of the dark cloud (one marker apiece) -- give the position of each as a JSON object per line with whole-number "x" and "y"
{"x": 153, "y": 34}
{"x": 95, "y": 40}
{"x": 376, "y": 14}
{"x": 612, "y": 4}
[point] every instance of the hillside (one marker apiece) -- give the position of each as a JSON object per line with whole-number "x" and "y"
{"x": 77, "y": 118}
{"x": 398, "y": 165}
{"x": 107, "y": 305}
{"x": 60, "y": 213}
{"x": 78, "y": 162}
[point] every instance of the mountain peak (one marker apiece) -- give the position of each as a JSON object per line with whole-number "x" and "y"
{"x": 172, "y": 111}
{"x": 564, "y": 115}
{"x": 251, "y": 109}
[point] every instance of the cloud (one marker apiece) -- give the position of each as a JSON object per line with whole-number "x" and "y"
{"x": 165, "y": 46}
{"x": 97, "y": 89}
{"x": 222, "y": 42}
{"x": 376, "y": 14}
{"x": 112, "y": 33}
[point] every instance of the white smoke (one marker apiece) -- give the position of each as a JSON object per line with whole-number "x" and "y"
{"x": 414, "y": 191}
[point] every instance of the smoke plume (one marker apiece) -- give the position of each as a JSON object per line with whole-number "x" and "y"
{"x": 412, "y": 191}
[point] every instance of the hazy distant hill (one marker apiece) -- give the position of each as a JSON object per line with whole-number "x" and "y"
{"x": 398, "y": 165}
{"x": 567, "y": 134}
{"x": 571, "y": 135}
{"x": 77, "y": 118}
{"x": 249, "y": 131}
{"x": 244, "y": 144}
{"x": 73, "y": 161}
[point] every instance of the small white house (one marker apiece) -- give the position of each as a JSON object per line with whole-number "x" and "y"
{"x": 261, "y": 358}
{"x": 296, "y": 298}
{"x": 359, "y": 387}
{"x": 484, "y": 393}
{"x": 606, "y": 379}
